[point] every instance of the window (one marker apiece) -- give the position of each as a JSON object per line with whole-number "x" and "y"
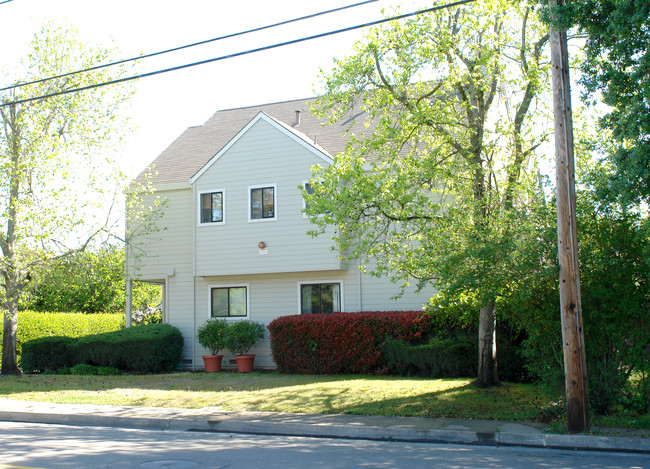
{"x": 263, "y": 201}
{"x": 320, "y": 298}
{"x": 211, "y": 207}
{"x": 226, "y": 302}
{"x": 309, "y": 188}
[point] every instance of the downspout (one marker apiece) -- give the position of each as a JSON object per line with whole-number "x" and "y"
{"x": 129, "y": 302}
{"x": 194, "y": 224}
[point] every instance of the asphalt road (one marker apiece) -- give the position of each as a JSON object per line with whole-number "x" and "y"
{"x": 58, "y": 446}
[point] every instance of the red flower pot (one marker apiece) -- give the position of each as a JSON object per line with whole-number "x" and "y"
{"x": 245, "y": 363}
{"x": 212, "y": 363}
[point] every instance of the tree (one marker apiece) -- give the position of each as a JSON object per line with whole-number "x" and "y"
{"x": 617, "y": 65}
{"x": 52, "y": 170}
{"x": 441, "y": 186}
{"x": 91, "y": 281}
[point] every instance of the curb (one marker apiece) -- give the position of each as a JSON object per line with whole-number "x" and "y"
{"x": 252, "y": 423}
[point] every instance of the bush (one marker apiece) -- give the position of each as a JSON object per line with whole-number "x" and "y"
{"x": 33, "y": 325}
{"x": 449, "y": 356}
{"x": 153, "y": 348}
{"x": 341, "y": 342}
{"x": 89, "y": 370}
{"x": 156, "y": 347}
{"x": 48, "y": 354}
{"x": 240, "y": 336}
{"x": 212, "y": 335}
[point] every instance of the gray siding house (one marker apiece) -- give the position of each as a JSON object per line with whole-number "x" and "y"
{"x": 233, "y": 238}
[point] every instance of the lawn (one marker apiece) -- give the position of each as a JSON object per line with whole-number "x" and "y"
{"x": 275, "y": 392}
{"x": 352, "y": 394}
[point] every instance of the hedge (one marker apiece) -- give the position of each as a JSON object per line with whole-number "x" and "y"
{"x": 341, "y": 342}
{"x": 33, "y": 325}
{"x": 151, "y": 348}
{"x": 451, "y": 355}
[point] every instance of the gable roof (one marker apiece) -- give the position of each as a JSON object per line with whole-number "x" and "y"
{"x": 197, "y": 146}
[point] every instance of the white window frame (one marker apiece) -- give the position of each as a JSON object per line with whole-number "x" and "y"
{"x": 315, "y": 282}
{"x": 198, "y": 207}
{"x": 275, "y": 202}
{"x": 230, "y": 285}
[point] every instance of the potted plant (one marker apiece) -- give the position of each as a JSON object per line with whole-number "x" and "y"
{"x": 240, "y": 337}
{"x": 211, "y": 335}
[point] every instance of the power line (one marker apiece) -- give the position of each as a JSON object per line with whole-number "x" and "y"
{"x": 200, "y": 43}
{"x": 6, "y": 1}
{"x": 238, "y": 54}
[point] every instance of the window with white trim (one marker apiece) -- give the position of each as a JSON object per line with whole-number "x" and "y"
{"x": 211, "y": 207}
{"x": 262, "y": 202}
{"x": 320, "y": 298}
{"x": 229, "y": 301}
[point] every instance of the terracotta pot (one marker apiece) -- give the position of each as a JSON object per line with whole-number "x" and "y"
{"x": 212, "y": 363}
{"x": 245, "y": 363}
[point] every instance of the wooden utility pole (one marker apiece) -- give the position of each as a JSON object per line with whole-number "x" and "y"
{"x": 575, "y": 367}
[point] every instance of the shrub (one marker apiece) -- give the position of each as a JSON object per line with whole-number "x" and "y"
{"x": 89, "y": 370}
{"x": 48, "y": 354}
{"x": 240, "y": 336}
{"x": 33, "y": 325}
{"x": 341, "y": 342}
{"x": 211, "y": 335}
{"x": 157, "y": 347}
{"x": 449, "y": 357}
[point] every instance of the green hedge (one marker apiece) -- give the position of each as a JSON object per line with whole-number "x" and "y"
{"x": 452, "y": 355}
{"x": 152, "y": 348}
{"x": 33, "y": 325}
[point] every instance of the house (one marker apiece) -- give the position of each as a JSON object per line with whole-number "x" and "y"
{"x": 233, "y": 240}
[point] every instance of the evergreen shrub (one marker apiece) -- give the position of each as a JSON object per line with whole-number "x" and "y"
{"x": 33, "y": 325}
{"x": 341, "y": 342}
{"x": 152, "y": 348}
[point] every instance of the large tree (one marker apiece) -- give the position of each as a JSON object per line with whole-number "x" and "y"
{"x": 617, "y": 68}
{"x": 439, "y": 188}
{"x": 55, "y": 163}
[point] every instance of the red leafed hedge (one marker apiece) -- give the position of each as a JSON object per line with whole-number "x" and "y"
{"x": 340, "y": 342}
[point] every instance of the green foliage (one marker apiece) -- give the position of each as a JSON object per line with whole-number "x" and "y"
{"x": 57, "y": 161}
{"x": 615, "y": 287}
{"x": 88, "y": 282}
{"x": 441, "y": 187}
{"x": 48, "y": 353}
{"x": 212, "y": 335}
{"x": 448, "y": 357}
{"x": 153, "y": 348}
{"x": 89, "y": 370}
{"x": 617, "y": 66}
{"x": 33, "y": 325}
{"x": 241, "y": 336}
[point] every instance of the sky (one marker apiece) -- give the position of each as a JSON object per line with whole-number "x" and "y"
{"x": 165, "y": 105}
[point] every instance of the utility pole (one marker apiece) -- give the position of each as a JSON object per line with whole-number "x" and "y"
{"x": 575, "y": 367}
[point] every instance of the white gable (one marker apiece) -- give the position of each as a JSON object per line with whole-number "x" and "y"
{"x": 297, "y": 137}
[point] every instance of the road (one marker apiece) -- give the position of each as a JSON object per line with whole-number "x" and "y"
{"x": 56, "y": 446}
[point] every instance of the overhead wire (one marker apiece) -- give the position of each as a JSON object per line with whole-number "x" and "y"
{"x": 187, "y": 46}
{"x": 237, "y": 54}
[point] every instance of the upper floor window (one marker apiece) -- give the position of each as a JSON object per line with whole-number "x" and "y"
{"x": 211, "y": 207}
{"x": 263, "y": 202}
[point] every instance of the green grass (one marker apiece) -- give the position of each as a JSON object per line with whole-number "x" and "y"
{"x": 274, "y": 392}
{"x": 367, "y": 395}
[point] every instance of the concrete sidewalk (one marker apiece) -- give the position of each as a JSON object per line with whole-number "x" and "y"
{"x": 479, "y": 432}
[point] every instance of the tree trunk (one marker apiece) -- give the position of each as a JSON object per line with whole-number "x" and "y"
{"x": 9, "y": 360}
{"x": 488, "y": 373}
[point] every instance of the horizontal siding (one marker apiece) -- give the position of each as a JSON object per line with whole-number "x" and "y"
{"x": 264, "y": 155}
{"x": 272, "y": 296}
{"x": 170, "y": 251}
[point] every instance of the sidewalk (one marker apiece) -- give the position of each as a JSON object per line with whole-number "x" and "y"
{"x": 473, "y": 432}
